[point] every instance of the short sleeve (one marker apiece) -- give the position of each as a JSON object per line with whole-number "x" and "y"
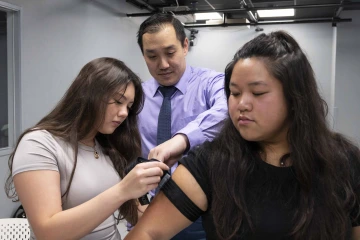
{"x": 197, "y": 163}
{"x": 36, "y": 151}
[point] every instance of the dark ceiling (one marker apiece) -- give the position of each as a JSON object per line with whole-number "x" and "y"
{"x": 305, "y": 10}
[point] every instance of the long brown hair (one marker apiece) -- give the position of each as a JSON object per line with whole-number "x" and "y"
{"x": 321, "y": 158}
{"x": 82, "y": 108}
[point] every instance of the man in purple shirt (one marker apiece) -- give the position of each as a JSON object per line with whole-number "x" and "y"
{"x": 198, "y": 105}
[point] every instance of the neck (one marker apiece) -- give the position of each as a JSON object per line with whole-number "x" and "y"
{"x": 88, "y": 142}
{"x": 272, "y": 152}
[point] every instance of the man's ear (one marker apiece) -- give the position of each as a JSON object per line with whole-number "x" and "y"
{"x": 186, "y": 46}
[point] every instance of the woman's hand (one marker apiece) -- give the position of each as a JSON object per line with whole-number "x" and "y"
{"x": 142, "y": 178}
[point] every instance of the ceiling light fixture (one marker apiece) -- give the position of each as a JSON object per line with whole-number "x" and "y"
{"x": 208, "y": 16}
{"x": 276, "y": 13}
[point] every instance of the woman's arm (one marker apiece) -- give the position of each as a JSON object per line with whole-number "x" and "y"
{"x": 39, "y": 192}
{"x": 356, "y": 233}
{"x": 162, "y": 219}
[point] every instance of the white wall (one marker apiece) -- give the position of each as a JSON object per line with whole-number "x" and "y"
{"x": 215, "y": 47}
{"x": 347, "y": 88}
{"x": 58, "y": 38}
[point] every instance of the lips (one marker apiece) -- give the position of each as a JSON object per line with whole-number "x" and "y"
{"x": 117, "y": 122}
{"x": 164, "y": 74}
{"x": 243, "y": 120}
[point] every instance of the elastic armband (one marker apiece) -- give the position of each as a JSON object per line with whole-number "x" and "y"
{"x": 182, "y": 202}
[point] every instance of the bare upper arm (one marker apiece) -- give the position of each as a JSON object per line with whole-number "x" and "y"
{"x": 39, "y": 193}
{"x": 162, "y": 219}
{"x": 188, "y": 184}
{"x": 141, "y": 209}
{"x": 356, "y": 233}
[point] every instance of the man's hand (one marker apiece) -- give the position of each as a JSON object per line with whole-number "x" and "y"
{"x": 170, "y": 151}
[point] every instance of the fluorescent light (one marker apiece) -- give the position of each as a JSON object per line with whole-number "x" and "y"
{"x": 276, "y": 13}
{"x": 208, "y": 16}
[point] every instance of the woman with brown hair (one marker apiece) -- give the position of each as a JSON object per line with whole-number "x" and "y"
{"x": 276, "y": 170}
{"x": 68, "y": 170}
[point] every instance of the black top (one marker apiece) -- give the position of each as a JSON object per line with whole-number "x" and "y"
{"x": 271, "y": 196}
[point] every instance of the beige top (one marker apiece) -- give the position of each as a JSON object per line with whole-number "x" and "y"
{"x": 40, "y": 150}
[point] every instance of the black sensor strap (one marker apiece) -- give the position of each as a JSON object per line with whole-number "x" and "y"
{"x": 182, "y": 202}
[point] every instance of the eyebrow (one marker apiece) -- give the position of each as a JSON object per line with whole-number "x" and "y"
{"x": 166, "y": 48}
{"x": 257, "y": 83}
{"x": 252, "y": 84}
{"x": 119, "y": 95}
{"x": 232, "y": 84}
{"x": 122, "y": 96}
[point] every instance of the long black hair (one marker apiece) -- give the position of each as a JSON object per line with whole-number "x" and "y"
{"x": 83, "y": 107}
{"x": 320, "y": 157}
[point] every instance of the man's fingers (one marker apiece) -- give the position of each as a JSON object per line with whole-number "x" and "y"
{"x": 158, "y": 155}
{"x": 161, "y": 152}
{"x": 152, "y": 164}
{"x": 171, "y": 161}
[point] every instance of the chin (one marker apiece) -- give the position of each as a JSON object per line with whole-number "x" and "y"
{"x": 107, "y": 131}
{"x": 168, "y": 81}
{"x": 250, "y": 137}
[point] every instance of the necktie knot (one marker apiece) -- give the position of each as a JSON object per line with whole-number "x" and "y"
{"x": 167, "y": 92}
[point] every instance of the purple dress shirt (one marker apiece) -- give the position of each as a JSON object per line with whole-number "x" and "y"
{"x": 198, "y": 108}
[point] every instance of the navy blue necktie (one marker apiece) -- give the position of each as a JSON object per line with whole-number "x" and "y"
{"x": 164, "y": 120}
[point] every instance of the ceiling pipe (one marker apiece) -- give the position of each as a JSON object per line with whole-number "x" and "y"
{"x": 210, "y": 4}
{"x": 332, "y": 20}
{"x": 339, "y": 10}
{"x": 251, "y": 4}
{"x": 251, "y": 16}
{"x": 234, "y": 10}
{"x": 142, "y": 4}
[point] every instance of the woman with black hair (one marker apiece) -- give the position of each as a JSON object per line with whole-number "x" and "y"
{"x": 276, "y": 170}
{"x": 68, "y": 170}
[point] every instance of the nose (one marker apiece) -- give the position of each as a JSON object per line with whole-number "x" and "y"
{"x": 163, "y": 64}
{"x": 123, "y": 112}
{"x": 245, "y": 103}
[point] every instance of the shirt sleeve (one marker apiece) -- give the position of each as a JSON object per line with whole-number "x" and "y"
{"x": 207, "y": 124}
{"x": 36, "y": 151}
{"x": 197, "y": 164}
